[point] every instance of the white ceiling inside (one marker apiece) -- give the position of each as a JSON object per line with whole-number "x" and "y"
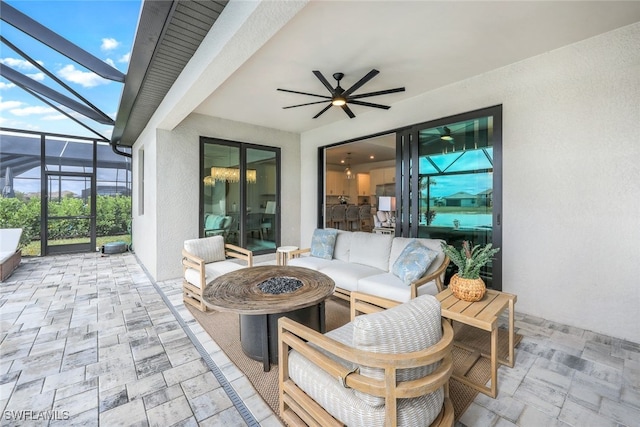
{"x": 421, "y": 45}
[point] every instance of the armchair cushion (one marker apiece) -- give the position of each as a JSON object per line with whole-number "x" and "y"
{"x": 212, "y": 271}
{"x": 413, "y": 326}
{"x": 413, "y": 262}
{"x": 406, "y": 328}
{"x": 323, "y": 243}
{"x": 210, "y": 249}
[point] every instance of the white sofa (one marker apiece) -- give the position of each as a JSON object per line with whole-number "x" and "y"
{"x": 10, "y": 255}
{"x": 364, "y": 262}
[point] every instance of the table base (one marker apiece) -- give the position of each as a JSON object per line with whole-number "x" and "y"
{"x": 259, "y": 332}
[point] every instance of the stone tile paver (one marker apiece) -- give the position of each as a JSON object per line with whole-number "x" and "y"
{"x": 89, "y": 339}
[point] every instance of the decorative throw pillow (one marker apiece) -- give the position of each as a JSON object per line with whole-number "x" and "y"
{"x": 323, "y": 242}
{"x": 413, "y": 262}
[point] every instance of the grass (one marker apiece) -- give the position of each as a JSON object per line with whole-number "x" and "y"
{"x": 34, "y": 248}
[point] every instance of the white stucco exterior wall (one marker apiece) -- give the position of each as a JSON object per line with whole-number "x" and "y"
{"x": 175, "y": 187}
{"x": 571, "y": 182}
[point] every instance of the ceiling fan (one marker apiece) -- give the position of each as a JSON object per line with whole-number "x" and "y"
{"x": 340, "y": 97}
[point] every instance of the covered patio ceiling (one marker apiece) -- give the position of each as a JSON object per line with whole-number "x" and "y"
{"x": 421, "y": 45}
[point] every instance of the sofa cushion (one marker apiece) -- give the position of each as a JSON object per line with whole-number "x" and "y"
{"x": 405, "y": 328}
{"x": 413, "y": 262}
{"x": 323, "y": 243}
{"x": 210, "y": 249}
{"x": 309, "y": 262}
{"x": 390, "y": 286}
{"x": 211, "y": 271}
{"x": 343, "y": 245}
{"x": 346, "y": 275}
{"x": 371, "y": 249}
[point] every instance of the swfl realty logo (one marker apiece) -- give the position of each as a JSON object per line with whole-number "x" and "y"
{"x": 36, "y": 415}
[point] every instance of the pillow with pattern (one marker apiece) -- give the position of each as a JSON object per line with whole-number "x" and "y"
{"x": 323, "y": 243}
{"x": 413, "y": 262}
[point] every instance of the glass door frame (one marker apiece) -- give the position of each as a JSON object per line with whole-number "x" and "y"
{"x": 75, "y": 247}
{"x": 407, "y": 149}
{"x": 243, "y": 214}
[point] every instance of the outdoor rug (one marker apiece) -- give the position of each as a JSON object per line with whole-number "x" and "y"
{"x": 224, "y": 328}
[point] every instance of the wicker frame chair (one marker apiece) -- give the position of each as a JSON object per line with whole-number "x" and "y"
{"x": 298, "y": 408}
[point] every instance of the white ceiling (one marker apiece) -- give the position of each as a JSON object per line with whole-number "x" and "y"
{"x": 421, "y": 45}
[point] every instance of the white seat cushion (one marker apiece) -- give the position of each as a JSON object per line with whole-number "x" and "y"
{"x": 5, "y": 256}
{"x": 311, "y": 262}
{"x": 346, "y": 275}
{"x": 388, "y": 285}
{"x": 212, "y": 270}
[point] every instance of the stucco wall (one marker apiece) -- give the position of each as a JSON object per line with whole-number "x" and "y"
{"x": 177, "y": 195}
{"x": 144, "y": 224}
{"x": 571, "y": 144}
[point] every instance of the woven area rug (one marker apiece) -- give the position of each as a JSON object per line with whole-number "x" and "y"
{"x": 224, "y": 329}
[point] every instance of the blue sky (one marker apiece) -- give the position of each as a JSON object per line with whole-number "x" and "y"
{"x": 106, "y": 29}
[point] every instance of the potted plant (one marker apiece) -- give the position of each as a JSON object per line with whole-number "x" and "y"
{"x": 466, "y": 284}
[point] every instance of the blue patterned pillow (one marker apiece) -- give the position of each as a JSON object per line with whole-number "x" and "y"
{"x": 413, "y": 262}
{"x": 323, "y": 242}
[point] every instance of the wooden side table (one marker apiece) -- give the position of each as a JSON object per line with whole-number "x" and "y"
{"x": 282, "y": 254}
{"x": 483, "y": 315}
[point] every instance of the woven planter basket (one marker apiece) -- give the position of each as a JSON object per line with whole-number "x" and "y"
{"x": 467, "y": 289}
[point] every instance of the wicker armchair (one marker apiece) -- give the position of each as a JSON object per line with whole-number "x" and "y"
{"x": 205, "y": 259}
{"x": 387, "y": 368}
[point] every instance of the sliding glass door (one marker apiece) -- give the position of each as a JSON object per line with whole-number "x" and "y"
{"x": 455, "y": 192}
{"x": 240, "y": 194}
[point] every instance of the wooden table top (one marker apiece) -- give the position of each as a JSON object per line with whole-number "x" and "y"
{"x": 482, "y": 314}
{"x": 238, "y": 291}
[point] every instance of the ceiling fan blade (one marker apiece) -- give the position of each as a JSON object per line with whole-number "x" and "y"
{"x": 324, "y": 81}
{"x": 369, "y": 104}
{"x": 302, "y": 105}
{"x": 371, "y": 74}
{"x": 380, "y": 92}
{"x": 304, "y": 93}
{"x": 323, "y": 110}
{"x": 348, "y": 111}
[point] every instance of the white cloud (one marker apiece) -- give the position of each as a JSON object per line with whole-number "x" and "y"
{"x": 125, "y": 58}
{"x": 30, "y": 111}
{"x": 5, "y": 105}
{"x": 83, "y": 78}
{"x": 110, "y": 62}
{"x": 109, "y": 44}
{"x": 4, "y": 85}
{"x": 55, "y": 117}
{"x": 20, "y": 64}
{"x": 37, "y": 76}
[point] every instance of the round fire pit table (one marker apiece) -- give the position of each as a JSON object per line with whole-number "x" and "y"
{"x": 263, "y": 294}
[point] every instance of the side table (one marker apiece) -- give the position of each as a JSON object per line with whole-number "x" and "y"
{"x": 483, "y": 315}
{"x": 282, "y": 254}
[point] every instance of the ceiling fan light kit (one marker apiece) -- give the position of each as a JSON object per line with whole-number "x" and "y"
{"x": 340, "y": 97}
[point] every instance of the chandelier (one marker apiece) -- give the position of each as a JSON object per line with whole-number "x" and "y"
{"x": 229, "y": 175}
{"x": 348, "y": 172}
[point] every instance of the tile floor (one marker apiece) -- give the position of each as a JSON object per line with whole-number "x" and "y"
{"x": 91, "y": 340}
